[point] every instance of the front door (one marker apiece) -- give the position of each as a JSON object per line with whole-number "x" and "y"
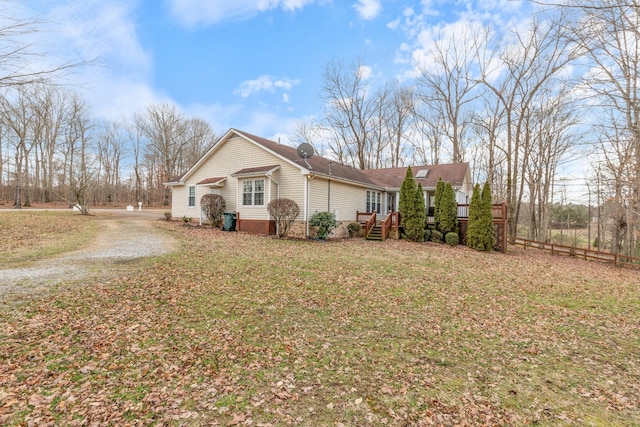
{"x": 391, "y": 202}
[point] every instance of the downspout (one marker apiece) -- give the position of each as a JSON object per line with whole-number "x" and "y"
{"x": 309, "y": 177}
{"x": 329, "y": 196}
{"x": 270, "y": 176}
{"x": 306, "y": 204}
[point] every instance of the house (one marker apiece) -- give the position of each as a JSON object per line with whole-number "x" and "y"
{"x": 250, "y": 171}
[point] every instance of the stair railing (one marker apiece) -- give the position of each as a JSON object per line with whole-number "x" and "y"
{"x": 369, "y": 224}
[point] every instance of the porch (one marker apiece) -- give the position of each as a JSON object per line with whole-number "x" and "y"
{"x": 381, "y": 229}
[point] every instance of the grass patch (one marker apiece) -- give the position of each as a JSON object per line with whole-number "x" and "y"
{"x": 29, "y": 236}
{"x": 238, "y": 329}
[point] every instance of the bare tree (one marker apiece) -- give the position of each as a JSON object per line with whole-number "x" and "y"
{"x": 17, "y": 116}
{"x": 552, "y": 127}
{"x": 172, "y": 143}
{"x": 399, "y": 121}
{"x": 51, "y": 115}
{"x": 608, "y": 31}
{"x": 348, "y": 112}
{"x": 81, "y": 165}
{"x": 516, "y": 78}
{"x": 447, "y": 85}
{"x": 17, "y": 53}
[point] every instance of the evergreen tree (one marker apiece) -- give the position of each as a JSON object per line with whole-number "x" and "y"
{"x": 407, "y": 194}
{"x": 414, "y": 225}
{"x": 487, "y": 218}
{"x": 480, "y": 232}
{"x": 475, "y": 210}
{"x": 448, "y": 212}
{"x": 436, "y": 204}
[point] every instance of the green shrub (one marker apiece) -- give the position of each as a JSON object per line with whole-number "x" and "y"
{"x": 452, "y": 238}
{"x": 480, "y": 229}
{"x": 354, "y": 228}
{"x": 427, "y": 235}
{"x": 325, "y": 221}
{"x": 436, "y": 236}
{"x": 412, "y": 208}
{"x": 186, "y": 219}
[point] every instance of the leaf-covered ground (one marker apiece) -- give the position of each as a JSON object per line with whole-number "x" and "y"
{"x": 242, "y": 330}
{"x": 28, "y": 235}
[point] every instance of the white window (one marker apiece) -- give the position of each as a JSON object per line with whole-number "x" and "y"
{"x": 374, "y": 201}
{"x": 192, "y": 196}
{"x": 253, "y": 192}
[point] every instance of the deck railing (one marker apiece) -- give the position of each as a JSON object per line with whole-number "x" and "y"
{"x": 390, "y": 222}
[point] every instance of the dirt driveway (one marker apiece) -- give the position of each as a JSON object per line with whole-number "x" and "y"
{"x": 122, "y": 237}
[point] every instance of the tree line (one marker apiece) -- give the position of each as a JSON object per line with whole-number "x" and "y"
{"x": 51, "y": 149}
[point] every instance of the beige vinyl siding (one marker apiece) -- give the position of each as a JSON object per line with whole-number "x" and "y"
{"x": 232, "y": 155}
{"x": 346, "y": 200}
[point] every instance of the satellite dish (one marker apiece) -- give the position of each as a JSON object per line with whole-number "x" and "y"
{"x": 305, "y": 150}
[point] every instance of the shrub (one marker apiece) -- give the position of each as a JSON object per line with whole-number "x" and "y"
{"x": 427, "y": 235}
{"x": 407, "y": 197}
{"x": 325, "y": 221}
{"x": 167, "y": 216}
{"x": 213, "y": 206}
{"x": 452, "y": 238}
{"x": 186, "y": 219}
{"x": 448, "y": 211}
{"x": 436, "y": 236}
{"x": 284, "y": 212}
{"x": 480, "y": 230}
{"x": 412, "y": 208}
{"x": 354, "y": 228}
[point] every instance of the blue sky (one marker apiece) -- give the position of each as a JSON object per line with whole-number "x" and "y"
{"x": 251, "y": 64}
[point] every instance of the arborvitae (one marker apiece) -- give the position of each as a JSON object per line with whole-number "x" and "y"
{"x": 448, "y": 211}
{"x": 415, "y": 221}
{"x": 407, "y": 193}
{"x": 436, "y": 204}
{"x": 480, "y": 233}
{"x": 475, "y": 210}
{"x": 486, "y": 219}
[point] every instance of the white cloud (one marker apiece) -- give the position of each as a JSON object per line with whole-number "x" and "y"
{"x": 265, "y": 83}
{"x": 368, "y": 9}
{"x": 204, "y": 12}
{"x": 115, "y": 81}
{"x": 365, "y": 72}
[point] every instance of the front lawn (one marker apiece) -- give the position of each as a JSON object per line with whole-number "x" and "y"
{"x": 242, "y": 330}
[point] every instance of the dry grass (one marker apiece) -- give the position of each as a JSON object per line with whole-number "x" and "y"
{"x": 242, "y": 330}
{"x": 29, "y": 235}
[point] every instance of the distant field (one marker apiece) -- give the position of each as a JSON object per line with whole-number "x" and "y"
{"x": 242, "y": 330}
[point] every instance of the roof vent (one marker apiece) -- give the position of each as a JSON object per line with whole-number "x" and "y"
{"x": 422, "y": 173}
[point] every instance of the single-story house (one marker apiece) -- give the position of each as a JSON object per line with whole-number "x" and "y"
{"x": 250, "y": 171}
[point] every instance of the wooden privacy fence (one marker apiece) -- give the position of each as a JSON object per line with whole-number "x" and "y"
{"x": 588, "y": 254}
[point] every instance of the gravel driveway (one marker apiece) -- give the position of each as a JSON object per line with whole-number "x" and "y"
{"x": 122, "y": 236}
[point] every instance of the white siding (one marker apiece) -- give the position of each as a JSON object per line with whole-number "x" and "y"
{"x": 233, "y": 155}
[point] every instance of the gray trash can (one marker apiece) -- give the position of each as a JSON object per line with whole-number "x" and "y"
{"x": 229, "y": 221}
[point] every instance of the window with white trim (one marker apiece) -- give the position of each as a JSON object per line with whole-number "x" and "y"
{"x": 192, "y": 196}
{"x": 253, "y": 192}
{"x": 374, "y": 201}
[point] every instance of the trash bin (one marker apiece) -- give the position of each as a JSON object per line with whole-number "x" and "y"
{"x": 229, "y": 221}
